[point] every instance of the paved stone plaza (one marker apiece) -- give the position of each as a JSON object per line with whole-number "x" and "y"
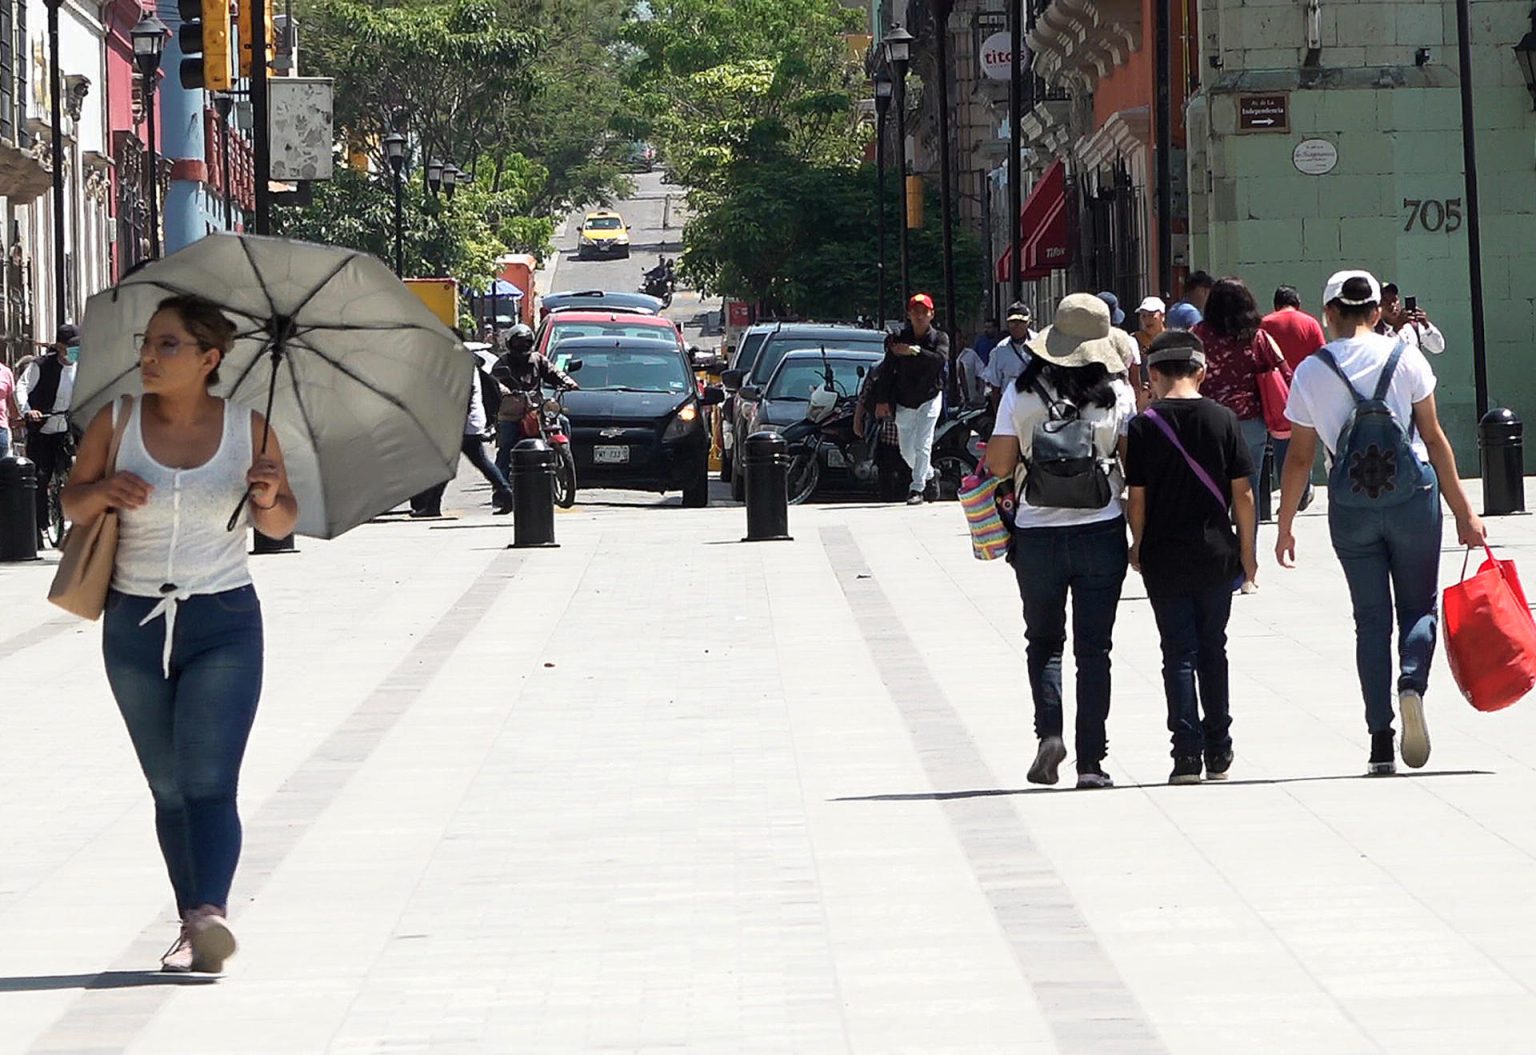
{"x": 659, "y": 791}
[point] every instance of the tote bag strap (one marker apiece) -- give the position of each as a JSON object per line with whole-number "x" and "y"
{"x": 122, "y": 410}
{"x": 1195, "y": 467}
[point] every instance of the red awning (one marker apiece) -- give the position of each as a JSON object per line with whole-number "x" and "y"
{"x": 1044, "y": 210}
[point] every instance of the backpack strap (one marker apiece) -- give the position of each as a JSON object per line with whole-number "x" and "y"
{"x": 1333, "y": 364}
{"x": 1195, "y": 467}
{"x": 1385, "y": 381}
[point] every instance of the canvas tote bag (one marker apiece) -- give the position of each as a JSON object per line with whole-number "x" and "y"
{"x": 85, "y": 570}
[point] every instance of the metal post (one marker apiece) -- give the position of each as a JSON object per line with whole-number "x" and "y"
{"x": 1163, "y": 93}
{"x": 1474, "y": 226}
{"x": 901, "y": 182}
{"x": 399, "y": 224}
{"x": 56, "y": 130}
{"x": 1015, "y": 148}
{"x": 941, "y": 10}
{"x": 154, "y": 166}
{"x": 880, "y": 315}
{"x": 261, "y": 121}
{"x": 223, "y": 104}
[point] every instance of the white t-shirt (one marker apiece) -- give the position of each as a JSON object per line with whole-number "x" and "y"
{"x": 1017, "y": 416}
{"x": 1319, "y": 400}
{"x": 1007, "y": 362}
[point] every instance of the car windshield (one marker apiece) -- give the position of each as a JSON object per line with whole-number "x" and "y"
{"x": 751, "y": 344}
{"x": 775, "y": 350}
{"x": 604, "y": 223}
{"x": 564, "y": 331}
{"x": 629, "y": 370}
{"x": 797, "y": 378}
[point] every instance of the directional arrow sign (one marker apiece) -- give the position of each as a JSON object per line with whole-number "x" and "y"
{"x": 1269, "y": 112}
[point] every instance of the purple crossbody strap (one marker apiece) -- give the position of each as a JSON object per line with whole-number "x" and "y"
{"x": 1194, "y": 466}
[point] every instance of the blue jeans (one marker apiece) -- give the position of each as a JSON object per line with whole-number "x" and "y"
{"x": 1193, "y": 628}
{"x": 507, "y": 435}
{"x": 1089, "y": 563}
{"x": 1256, "y": 436}
{"x": 1391, "y": 559}
{"x": 190, "y": 730}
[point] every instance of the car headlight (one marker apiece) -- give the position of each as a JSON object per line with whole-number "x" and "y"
{"x": 622, "y": 239}
{"x": 551, "y": 406}
{"x": 683, "y": 422}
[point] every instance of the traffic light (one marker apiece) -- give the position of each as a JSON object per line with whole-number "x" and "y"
{"x": 204, "y": 39}
{"x": 247, "y": 9}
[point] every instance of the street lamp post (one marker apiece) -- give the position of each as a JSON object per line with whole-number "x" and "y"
{"x": 883, "y": 91}
{"x": 394, "y": 152}
{"x": 56, "y": 131}
{"x": 941, "y": 12}
{"x": 898, "y": 51}
{"x": 148, "y": 42}
{"x": 451, "y": 176}
{"x": 1015, "y": 241}
{"x": 224, "y": 105}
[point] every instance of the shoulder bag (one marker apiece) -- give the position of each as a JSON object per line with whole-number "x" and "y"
{"x": 1274, "y": 389}
{"x": 90, "y": 550}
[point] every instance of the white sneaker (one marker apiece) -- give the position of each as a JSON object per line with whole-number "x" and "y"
{"x": 1410, "y": 705}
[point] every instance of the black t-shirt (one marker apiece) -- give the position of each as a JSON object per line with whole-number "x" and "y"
{"x": 1188, "y": 543}
{"x": 912, "y": 380}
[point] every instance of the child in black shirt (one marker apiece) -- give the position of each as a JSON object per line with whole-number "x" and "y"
{"x": 1187, "y": 468}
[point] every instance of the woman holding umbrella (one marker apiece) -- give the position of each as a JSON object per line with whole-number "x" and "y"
{"x": 182, "y": 637}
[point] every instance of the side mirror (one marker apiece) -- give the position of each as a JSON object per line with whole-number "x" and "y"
{"x": 733, "y": 379}
{"x": 751, "y": 394}
{"x": 713, "y": 396}
{"x": 573, "y": 366}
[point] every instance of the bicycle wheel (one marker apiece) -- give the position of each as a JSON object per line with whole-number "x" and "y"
{"x": 54, "y": 532}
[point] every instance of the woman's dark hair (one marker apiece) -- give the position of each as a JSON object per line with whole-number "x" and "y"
{"x": 1287, "y": 297}
{"x": 1358, "y": 290}
{"x": 1082, "y": 386}
{"x": 207, "y": 324}
{"x": 1231, "y": 311}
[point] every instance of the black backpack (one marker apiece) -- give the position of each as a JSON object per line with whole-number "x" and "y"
{"x": 1064, "y": 470}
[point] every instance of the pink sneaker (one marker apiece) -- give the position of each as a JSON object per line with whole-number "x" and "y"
{"x": 211, "y": 939}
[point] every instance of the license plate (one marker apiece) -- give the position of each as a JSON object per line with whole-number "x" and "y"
{"x": 835, "y": 459}
{"x": 610, "y": 455}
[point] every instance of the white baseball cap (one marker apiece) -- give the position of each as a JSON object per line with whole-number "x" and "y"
{"x": 1334, "y": 290}
{"x": 1152, "y": 304}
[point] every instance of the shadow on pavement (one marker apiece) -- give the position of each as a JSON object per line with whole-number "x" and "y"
{"x": 105, "y": 980}
{"x": 982, "y": 793}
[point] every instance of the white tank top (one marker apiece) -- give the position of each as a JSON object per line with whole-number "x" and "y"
{"x": 178, "y": 544}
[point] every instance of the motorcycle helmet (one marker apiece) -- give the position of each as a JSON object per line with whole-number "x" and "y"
{"x": 520, "y": 339}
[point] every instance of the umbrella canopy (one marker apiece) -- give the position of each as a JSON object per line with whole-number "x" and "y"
{"x": 502, "y": 288}
{"x": 367, "y": 389}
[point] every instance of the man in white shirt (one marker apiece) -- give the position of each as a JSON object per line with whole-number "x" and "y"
{"x": 1405, "y": 319}
{"x": 1010, "y": 357}
{"x": 43, "y": 393}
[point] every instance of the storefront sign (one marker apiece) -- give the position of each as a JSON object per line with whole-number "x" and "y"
{"x": 1270, "y": 112}
{"x": 1315, "y": 157}
{"x": 995, "y": 53}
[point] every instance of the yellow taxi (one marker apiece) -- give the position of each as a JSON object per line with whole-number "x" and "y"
{"x": 603, "y": 233}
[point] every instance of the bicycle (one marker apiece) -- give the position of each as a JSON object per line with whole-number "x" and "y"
{"x": 57, "y": 525}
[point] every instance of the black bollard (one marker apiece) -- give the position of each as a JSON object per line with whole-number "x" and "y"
{"x": 533, "y": 495}
{"x": 18, "y": 510}
{"x": 1501, "y": 445}
{"x": 765, "y": 460}
{"x": 1266, "y": 495}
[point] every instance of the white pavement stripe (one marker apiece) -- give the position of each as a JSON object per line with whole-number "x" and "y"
{"x": 118, "y": 1004}
{"x": 37, "y": 635}
{"x": 1083, "y": 997}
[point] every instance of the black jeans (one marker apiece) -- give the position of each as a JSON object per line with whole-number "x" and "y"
{"x": 47, "y": 452}
{"x": 1193, "y": 628}
{"x": 1088, "y": 562}
{"x": 473, "y": 448}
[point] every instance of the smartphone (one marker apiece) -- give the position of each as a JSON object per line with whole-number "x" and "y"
{"x": 1411, "y": 303}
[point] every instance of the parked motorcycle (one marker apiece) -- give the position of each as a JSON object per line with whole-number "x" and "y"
{"x": 957, "y": 448}
{"x": 825, "y": 440}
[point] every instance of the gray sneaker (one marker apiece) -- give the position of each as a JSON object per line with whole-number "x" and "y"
{"x": 1093, "y": 777}
{"x": 1048, "y": 759}
{"x": 1415, "y": 732}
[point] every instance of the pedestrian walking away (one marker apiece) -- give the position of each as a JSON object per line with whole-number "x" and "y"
{"x": 1184, "y": 314}
{"x": 1370, "y": 399}
{"x": 1297, "y": 333}
{"x": 1187, "y": 469}
{"x": 429, "y": 502}
{"x": 182, "y": 632}
{"x": 1060, "y": 436}
{"x": 1010, "y": 356}
{"x": 1237, "y": 350}
{"x": 911, "y": 391}
{"x": 44, "y": 393}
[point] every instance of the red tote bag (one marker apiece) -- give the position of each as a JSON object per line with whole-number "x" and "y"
{"x": 1490, "y": 636}
{"x": 1274, "y": 386}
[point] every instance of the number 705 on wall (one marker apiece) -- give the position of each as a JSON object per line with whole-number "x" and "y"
{"x": 1433, "y": 214}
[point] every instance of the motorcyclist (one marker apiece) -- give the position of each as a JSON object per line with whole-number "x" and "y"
{"x": 520, "y": 371}
{"x": 661, "y": 278}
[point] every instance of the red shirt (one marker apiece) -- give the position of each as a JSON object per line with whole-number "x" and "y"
{"x": 1297, "y": 333}
{"x": 1232, "y": 367}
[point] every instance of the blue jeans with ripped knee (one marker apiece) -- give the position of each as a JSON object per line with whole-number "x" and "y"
{"x": 189, "y": 730}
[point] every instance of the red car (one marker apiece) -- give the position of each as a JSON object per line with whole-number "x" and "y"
{"x": 562, "y": 325}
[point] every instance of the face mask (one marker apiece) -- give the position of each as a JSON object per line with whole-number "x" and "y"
{"x": 72, "y": 354}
